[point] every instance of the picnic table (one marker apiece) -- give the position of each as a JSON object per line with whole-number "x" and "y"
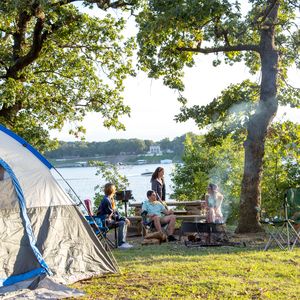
{"x": 175, "y": 203}
{"x": 193, "y": 211}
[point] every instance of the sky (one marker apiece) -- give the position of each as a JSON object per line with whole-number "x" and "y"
{"x": 154, "y": 106}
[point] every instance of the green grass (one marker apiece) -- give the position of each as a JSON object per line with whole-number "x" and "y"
{"x": 172, "y": 271}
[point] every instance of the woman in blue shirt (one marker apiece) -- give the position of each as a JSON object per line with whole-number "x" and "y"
{"x": 107, "y": 211}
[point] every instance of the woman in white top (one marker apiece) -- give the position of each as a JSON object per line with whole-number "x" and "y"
{"x": 214, "y": 200}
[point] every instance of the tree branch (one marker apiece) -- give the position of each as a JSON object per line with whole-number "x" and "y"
{"x": 33, "y": 53}
{"x": 9, "y": 112}
{"x": 87, "y": 47}
{"x": 288, "y": 84}
{"x": 102, "y": 4}
{"x": 64, "y": 2}
{"x": 3, "y": 64}
{"x": 268, "y": 10}
{"x": 39, "y": 38}
{"x": 105, "y": 4}
{"x": 226, "y": 40}
{"x": 264, "y": 14}
{"x": 221, "y": 49}
{"x": 118, "y": 4}
{"x": 19, "y": 35}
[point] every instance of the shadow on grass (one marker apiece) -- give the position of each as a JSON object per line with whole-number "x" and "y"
{"x": 171, "y": 270}
{"x": 178, "y": 250}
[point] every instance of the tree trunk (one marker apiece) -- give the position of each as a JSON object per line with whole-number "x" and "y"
{"x": 257, "y": 130}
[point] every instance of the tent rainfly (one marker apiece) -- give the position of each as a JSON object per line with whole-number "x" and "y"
{"x": 42, "y": 231}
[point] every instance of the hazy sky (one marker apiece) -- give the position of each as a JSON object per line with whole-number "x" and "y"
{"x": 153, "y": 105}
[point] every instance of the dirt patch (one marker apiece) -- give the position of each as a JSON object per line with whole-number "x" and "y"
{"x": 250, "y": 239}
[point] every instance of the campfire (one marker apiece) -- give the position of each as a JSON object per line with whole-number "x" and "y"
{"x": 206, "y": 234}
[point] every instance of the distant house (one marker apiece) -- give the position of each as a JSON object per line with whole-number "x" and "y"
{"x": 154, "y": 150}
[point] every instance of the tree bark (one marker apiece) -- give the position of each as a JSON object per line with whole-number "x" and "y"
{"x": 258, "y": 126}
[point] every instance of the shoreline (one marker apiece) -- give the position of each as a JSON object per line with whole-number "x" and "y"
{"x": 121, "y": 160}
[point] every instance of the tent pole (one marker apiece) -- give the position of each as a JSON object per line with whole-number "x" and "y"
{"x": 69, "y": 186}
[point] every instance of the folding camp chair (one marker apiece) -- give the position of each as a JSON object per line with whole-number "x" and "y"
{"x": 99, "y": 226}
{"x": 284, "y": 231}
{"x": 148, "y": 226}
{"x": 100, "y": 230}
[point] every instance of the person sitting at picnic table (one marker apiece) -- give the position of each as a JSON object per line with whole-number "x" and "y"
{"x": 157, "y": 213}
{"x": 213, "y": 200}
{"x": 107, "y": 211}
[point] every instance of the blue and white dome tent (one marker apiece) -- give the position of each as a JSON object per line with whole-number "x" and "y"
{"x": 42, "y": 231}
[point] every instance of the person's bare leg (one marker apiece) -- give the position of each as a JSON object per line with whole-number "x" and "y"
{"x": 218, "y": 215}
{"x": 156, "y": 220}
{"x": 171, "y": 220}
{"x": 211, "y": 215}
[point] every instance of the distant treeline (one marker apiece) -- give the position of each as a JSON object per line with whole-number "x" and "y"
{"x": 115, "y": 147}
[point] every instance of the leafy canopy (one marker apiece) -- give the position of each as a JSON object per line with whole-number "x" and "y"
{"x": 173, "y": 32}
{"x": 57, "y": 64}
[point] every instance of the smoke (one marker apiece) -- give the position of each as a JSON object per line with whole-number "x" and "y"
{"x": 246, "y": 108}
{"x": 227, "y": 175}
{"x": 225, "y": 207}
{"x": 239, "y": 114}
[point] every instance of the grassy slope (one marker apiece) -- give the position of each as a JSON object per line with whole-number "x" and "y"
{"x": 172, "y": 271}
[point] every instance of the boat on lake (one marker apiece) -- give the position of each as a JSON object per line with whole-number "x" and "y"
{"x": 166, "y": 161}
{"x": 147, "y": 173}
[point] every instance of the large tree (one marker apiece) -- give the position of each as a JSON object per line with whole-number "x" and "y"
{"x": 58, "y": 63}
{"x": 264, "y": 34}
{"x": 223, "y": 164}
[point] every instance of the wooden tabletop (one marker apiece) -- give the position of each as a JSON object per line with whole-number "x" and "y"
{"x": 175, "y": 203}
{"x": 178, "y": 217}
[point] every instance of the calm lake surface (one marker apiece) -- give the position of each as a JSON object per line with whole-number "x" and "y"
{"x": 83, "y": 179}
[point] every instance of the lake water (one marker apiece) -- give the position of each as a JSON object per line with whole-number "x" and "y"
{"x": 83, "y": 180}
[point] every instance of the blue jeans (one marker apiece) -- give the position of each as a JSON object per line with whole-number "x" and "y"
{"x": 122, "y": 232}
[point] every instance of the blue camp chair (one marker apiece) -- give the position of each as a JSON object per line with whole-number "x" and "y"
{"x": 101, "y": 230}
{"x": 146, "y": 224}
{"x": 285, "y": 232}
{"x": 99, "y": 226}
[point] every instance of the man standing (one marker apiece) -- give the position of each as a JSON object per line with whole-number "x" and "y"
{"x": 157, "y": 213}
